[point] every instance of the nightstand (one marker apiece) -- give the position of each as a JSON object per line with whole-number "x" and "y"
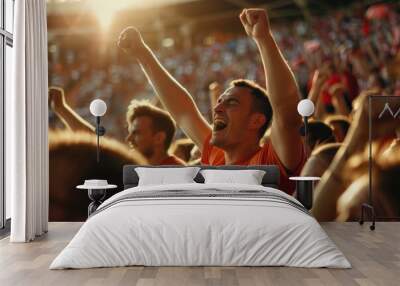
{"x": 96, "y": 191}
{"x": 304, "y": 190}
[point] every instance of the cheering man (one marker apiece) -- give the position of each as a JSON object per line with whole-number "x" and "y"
{"x": 243, "y": 112}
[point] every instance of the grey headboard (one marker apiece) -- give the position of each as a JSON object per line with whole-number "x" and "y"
{"x": 271, "y": 177}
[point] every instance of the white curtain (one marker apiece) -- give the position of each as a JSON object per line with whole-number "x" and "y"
{"x": 27, "y": 124}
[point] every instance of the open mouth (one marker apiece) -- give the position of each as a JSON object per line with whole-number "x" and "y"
{"x": 219, "y": 125}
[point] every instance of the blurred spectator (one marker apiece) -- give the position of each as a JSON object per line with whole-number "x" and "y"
{"x": 182, "y": 148}
{"x": 340, "y": 125}
{"x": 318, "y": 133}
{"x": 72, "y": 160}
{"x": 351, "y": 162}
{"x": 385, "y": 187}
{"x": 151, "y": 131}
{"x": 320, "y": 160}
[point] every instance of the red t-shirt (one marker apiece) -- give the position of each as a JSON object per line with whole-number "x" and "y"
{"x": 350, "y": 81}
{"x": 214, "y": 156}
{"x": 172, "y": 160}
{"x": 326, "y": 95}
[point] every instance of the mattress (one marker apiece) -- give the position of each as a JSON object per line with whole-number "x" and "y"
{"x": 201, "y": 225}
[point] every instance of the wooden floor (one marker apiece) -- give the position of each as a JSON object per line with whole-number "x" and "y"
{"x": 375, "y": 257}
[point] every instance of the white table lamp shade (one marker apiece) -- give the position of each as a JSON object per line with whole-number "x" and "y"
{"x": 305, "y": 107}
{"x": 98, "y": 107}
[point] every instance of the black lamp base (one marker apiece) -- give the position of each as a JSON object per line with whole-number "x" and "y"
{"x": 96, "y": 196}
{"x": 368, "y": 208}
{"x": 304, "y": 193}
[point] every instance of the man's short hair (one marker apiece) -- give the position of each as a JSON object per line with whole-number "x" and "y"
{"x": 160, "y": 119}
{"x": 261, "y": 103}
{"x": 318, "y": 133}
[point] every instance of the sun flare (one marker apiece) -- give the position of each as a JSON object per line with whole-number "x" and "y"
{"x": 105, "y": 10}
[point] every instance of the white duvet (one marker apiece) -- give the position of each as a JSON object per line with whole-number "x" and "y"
{"x": 203, "y": 231}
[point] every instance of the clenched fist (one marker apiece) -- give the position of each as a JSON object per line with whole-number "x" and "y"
{"x": 131, "y": 42}
{"x": 215, "y": 91}
{"x": 56, "y": 98}
{"x": 255, "y": 22}
{"x": 215, "y": 88}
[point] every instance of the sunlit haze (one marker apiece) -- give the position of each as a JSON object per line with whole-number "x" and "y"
{"x": 104, "y": 10}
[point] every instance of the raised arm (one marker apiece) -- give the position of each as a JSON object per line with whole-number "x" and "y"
{"x": 332, "y": 184}
{"x": 173, "y": 96}
{"x": 281, "y": 87}
{"x": 319, "y": 78}
{"x": 67, "y": 115}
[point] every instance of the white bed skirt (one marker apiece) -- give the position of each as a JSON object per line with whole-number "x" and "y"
{"x": 200, "y": 232}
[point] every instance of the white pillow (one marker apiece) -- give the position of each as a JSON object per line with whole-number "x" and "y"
{"x": 163, "y": 176}
{"x": 248, "y": 177}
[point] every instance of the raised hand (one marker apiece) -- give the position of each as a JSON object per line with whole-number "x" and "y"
{"x": 215, "y": 91}
{"x": 255, "y": 22}
{"x": 384, "y": 123}
{"x": 131, "y": 41}
{"x": 319, "y": 78}
{"x": 65, "y": 113}
{"x": 56, "y": 98}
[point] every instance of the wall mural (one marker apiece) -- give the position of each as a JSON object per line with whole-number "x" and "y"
{"x": 383, "y": 183}
{"x": 175, "y": 92}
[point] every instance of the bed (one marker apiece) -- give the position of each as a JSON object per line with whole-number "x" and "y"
{"x": 201, "y": 224}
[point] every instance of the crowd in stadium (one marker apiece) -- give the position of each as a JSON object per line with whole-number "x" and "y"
{"x": 357, "y": 51}
{"x": 337, "y": 60}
